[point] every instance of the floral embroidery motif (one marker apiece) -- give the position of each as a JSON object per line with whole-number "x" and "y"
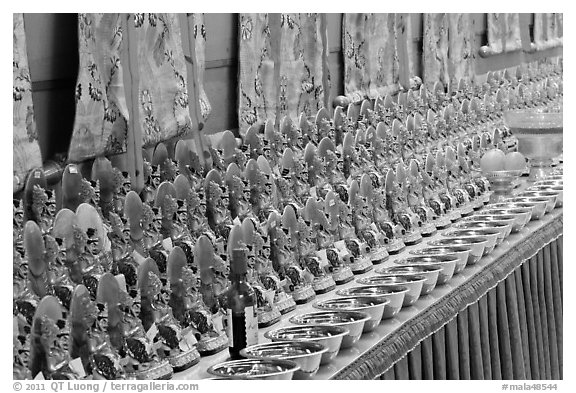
{"x": 371, "y": 65}
{"x": 162, "y": 86}
{"x": 100, "y": 124}
{"x": 289, "y": 85}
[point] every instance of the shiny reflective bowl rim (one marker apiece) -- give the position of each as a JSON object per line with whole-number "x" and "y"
{"x": 319, "y": 303}
{"x": 341, "y": 331}
{"x": 392, "y": 291}
{"x": 431, "y": 269}
{"x": 318, "y": 350}
{"x": 410, "y": 280}
{"x": 472, "y": 240}
{"x": 365, "y": 317}
{"x": 272, "y": 362}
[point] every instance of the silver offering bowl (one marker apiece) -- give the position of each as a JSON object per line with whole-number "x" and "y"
{"x": 374, "y": 307}
{"x": 395, "y": 294}
{"x": 462, "y": 252}
{"x": 551, "y": 198}
{"x": 414, "y": 285}
{"x": 490, "y": 234}
{"x": 326, "y": 335}
{"x": 352, "y": 320}
{"x": 430, "y": 272}
{"x": 477, "y": 245}
{"x": 521, "y": 215}
{"x": 306, "y": 354}
{"x": 272, "y": 369}
{"x": 540, "y": 138}
{"x": 558, "y": 190}
{"x": 446, "y": 262}
{"x": 503, "y": 227}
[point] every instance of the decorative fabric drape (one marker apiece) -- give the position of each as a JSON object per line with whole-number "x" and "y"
{"x": 461, "y": 53}
{"x": 504, "y": 32}
{"x": 371, "y": 65}
{"x": 435, "y": 49}
{"x": 256, "y": 99}
{"x": 26, "y": 150}
{"x": 159, "y": 67}
{"x": 100, "y": 125}
{"x": 282, "y": 66}
{"x": 302, "y": 65}
{"x": 162, "y": 88}
{"x": 547, "y": 30}
{"x": 448, "y": 48}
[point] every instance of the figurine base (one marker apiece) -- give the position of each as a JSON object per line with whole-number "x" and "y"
{"x": 442, "y": 223}
{"x": 323, "y": 285}
{"x": 466, "y": 210}
{"x": 161, "y": 370}
{"x": 362, "y": 266}
{"x": 412, "y": 238}
{"x": 343, "y": 275}
{"x": 303, "y": 295}
{"x": 185, "y": 360}
{"x": 377, "y": 257}
{"x": 213, "y": 345}
{"x": 477, "y": 204}
{"x": 286, "y": 305}
{"x": 428, "y": 230}
{"x": 395, "y": 246}
{"x": 268, "y": 317}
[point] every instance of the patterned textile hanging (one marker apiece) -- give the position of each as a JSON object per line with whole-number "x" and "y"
{"x": 547, "y": 30}
{"x": 26, "y": 150}
{"x": 461, "y": 54}
{"x": 301, "y": 65}
{"x": 435, "y": 49}
{"x": 282, "y": 66}
{"x": 256, "y": 97}
{"x": 504, "y": 32}
{"x": 100, "y": 125}
{"x": 371, "y": 65}
{"x": 162, "y": 85}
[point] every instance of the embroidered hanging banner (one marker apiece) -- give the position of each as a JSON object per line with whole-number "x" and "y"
{"x": 301, "y": 65}
{"x": 547, "y": 30}
{"x": 414, "y": 68}
{"x": 435, "y": 49}
{"x": 256, "y": 97}
{"x": 100, "y": 125}
{"x": 162, "y": 85}
{"x": 26, "y": 150}
{"x": 461, "y": 54}
{"x": 283, "y": 66}
{"x": 371, "y": 65}
{"x": 102, "y": 115}
{"x": 504, "y": 32}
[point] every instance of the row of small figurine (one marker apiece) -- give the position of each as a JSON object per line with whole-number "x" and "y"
{"x": 307, "y": 249}
{"x": 132, "y": 283}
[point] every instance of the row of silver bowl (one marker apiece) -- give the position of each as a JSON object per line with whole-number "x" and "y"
{"x": 316, "y": 337}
